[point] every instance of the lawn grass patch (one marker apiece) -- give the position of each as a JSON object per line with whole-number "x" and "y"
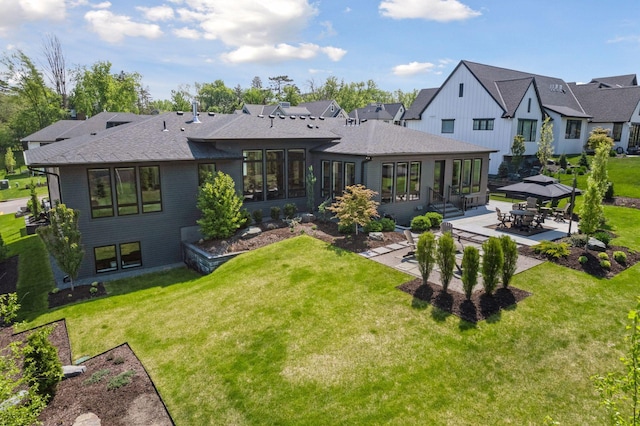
{"x": 18, "y": 185}
{"x": 302, "y": 333}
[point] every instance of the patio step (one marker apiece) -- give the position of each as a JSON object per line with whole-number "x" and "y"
{"x": 447, "y": 210}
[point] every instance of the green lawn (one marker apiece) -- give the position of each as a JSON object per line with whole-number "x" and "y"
{"x": 325, "y": 338}
{"x": 17, "y": 185}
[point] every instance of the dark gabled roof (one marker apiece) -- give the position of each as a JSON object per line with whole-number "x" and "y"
{"x": 512, "y": 93}
{"x": 66, "y": 129}
{"x": 551, "y": 91}
{"x": 322, "y": 108}
{"x": 374, "y": 138}
{"x": 617, "y": 81}
{"x": 607, "y": 105}
{"x": 419, "y": 104}
{"x": 376, "y": 111}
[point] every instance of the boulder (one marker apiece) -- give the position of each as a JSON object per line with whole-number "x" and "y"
{"x": 307, "y": 217}
{"x": 250, "y": 232}
{"x": 73, "y": 370}
{"x": 87, "y": 419}
{"x": 595, "y": 244}
{"x": 376, "y": 236}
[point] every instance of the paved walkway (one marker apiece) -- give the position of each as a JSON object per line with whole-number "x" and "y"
{"x": 473, "y": 229}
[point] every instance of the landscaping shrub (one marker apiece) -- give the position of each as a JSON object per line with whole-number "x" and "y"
{"x": 257, "y": 216}
{"x": 603, "y": 256}
{"x": 603, "y": 236}
{"x": 344, "y": 228}
{"x": 323, "y": 210}
{"x": 373, "y": 226}
{"x": 420, "y": 224}
{"x": 492, "y": 263}
{"x": 578, "y": 240}
{"x": 275, "y": 213}
{"x": 245, "y": 218}
{"x": 9, "y": 308}
{"x": 612, "y": 153}
{"x": 446, "y": 258}
{"x": 41, "y": 362}
{"x": 551, "y": 249}
{"x": 583, "y": 259}
{"x": 435, "y": 218}
{"x": 221, "y": 207}
{"x": 583, "y": 161}
{"x": 563, "y": 161}
{"x": 503, "y": 169}
{"x": 510, "y": 253}
{"x": 289, "y": 210}
{"x": 605, "y": 264}
{"x": 620, "y": 257}
{"x": 388, "y": 224}
{"x": 425, "y": 254}
{"x": 120, "y": 380}
{"x": 470, "y": 268}
{"x": 581, "y": 170}
{"x": 608, "y": 195}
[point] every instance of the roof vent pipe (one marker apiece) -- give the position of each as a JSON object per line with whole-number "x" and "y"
{"x": 164, "y": 123}
{"x": 194, "y": 105}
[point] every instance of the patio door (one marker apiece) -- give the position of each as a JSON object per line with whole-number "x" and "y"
{"x": 438, "y": 177}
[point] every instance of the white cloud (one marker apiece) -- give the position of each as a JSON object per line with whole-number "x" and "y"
{"x": 186, "y": 32}
{"x": 279, "y": 53}
{"x": 14, "y": 13}
{"x": 432, "y": 10}
{"x": 114, "y": 28}
{"x": 413, "y": 68}
{"x": 329, "y": 31}
{"x": 625, "y": 39}
{"x": 103, "y": 5}
{"x": 158, "y": 13}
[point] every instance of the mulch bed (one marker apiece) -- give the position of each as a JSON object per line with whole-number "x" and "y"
{"x": 65, "y": 296}
{"x": 480, "y": 307}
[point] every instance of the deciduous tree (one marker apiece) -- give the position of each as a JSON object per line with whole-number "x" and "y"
{"x": 355, "y": 206}
{"x": 545, "y": 143}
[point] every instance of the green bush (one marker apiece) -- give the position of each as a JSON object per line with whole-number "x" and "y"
{"x": 603, "y": 256}
{"x": 620, "y": 257}
{"x": 373, "y": 226}
{"x": 41, "y": 363}
{"x": 426, "y": 254}
{"x": 220, "y": 206}
{"x": 583, "y": 259}
{"x": 470, "y": 268}
{"x": 9, "y": 308}
{"x": 97, "y": 377}
{"x": 510, "y": 253}
{"x": 289, "y": 210}
{"x": 581, "y": 170}
{"x": 245, "y": 218}
{"x": 563, "y": 161}
{"x": 275, "y": 213}
{"x": 583, "y": 161}
{"x": 551, "y": 249}
{"x": 120, "y": 380}
{"x": 605, "y": 264}
{"x": 435, "y": 218}
{"x": 608, "y": 195}
{"x": 388, "y": 225}
{"x": 612, "y": 153}
{"x": 492, "y": 263}
{"x": 578, "y": 240}
{"x": 257, "y": 216}
{"x": 446, "y": 258}
{"x": 347, "y": 228}
{"x": 603, "y": 236}
{"x": 503, "y": 169}
{"x": 420, "y": 224}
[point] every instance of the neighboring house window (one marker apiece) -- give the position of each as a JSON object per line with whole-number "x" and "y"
{"x": 296, "y": 169}
{"x": 400, "y": 181}
{"x": 106, "y": 259}
{"x": 130, "y": 255}
{"x": 275, "y": 174}
{"x": 483, "y": 124}
{"x": 151, "y": 190}
{"x": 461, "y": 90}
{"x": 573, "y": 129}
{"x": 126, "y": 190}
{"x": 634, "y": 136}
{"x": 100, "y": 193}
{"x": 447, "y": 126}
{"x": 617, "y": 132}
{"x": 527, "y": 128}
{"x": 205, "y": 171}
{"x": 252, "y": 175}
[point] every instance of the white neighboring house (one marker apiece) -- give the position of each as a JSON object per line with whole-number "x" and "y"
{"x": 489, "y": 106}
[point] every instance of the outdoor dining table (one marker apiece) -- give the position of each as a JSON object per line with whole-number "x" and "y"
{"x": 519, "y": 214}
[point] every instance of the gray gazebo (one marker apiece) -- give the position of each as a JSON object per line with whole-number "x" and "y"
{"x": 542, "y": 187}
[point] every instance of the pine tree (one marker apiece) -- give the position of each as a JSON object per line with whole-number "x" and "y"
{"x": 221, "y": 207}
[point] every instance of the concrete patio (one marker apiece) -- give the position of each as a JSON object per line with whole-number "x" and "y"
{"x": 472, "y": 229}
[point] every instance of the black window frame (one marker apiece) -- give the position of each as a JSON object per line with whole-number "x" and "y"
{"x": 529, "y": 134}
{"x": 138, "y": 264}
{"x": 445, "y": 125}
{"x": 483, "y": 123}
{"x": 113, "y": 261}
{"x": 93, "y": 197}
{"x": 573, "y": 129}
{"x": 147, "y": 206}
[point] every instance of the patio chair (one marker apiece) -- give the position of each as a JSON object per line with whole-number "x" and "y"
{"x": 527, "y": 223}
{"x": 539, "y": 219}
{"x": 503, "y": 218}
{"x": 532, "y": 204}
{"x": 561, "y": 214}
{"x": 411, "y": 242}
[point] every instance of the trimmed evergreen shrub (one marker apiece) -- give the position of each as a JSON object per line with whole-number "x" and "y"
{"x": 347, "y": 228}
{"x": 289, "y": 210}
{"x": 470, "y": 268}
{"x": 41, "y": 363}
{"x": 492, "y": 262}
{"x": 605, "y": 264}
{"x": 420, "y": 224}
{"x": 275, "y": 213}
{"x": 388, "y": 225}
{"x": 608, "y": 195}
{"x": 425, "y": 254}
{"x": 510, "y": 253}
{"x": 620, "y": 257}
{"x": 603, "y": 236}
{"x": 446, "y": 258}
{"x": 551, "y": 249}
{"x": 603, "y": 256}
{"x": 583, "y": 161}
{"x": 563, "y": 161}
{"x": 373, "y": 226}
{"x": 246, "y": 218}
{"x": 257, "y": 216}
{"x": 583, "y": 259}
{"x": 435, "y": 218}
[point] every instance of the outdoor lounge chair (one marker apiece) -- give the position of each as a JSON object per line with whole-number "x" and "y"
{"x": 561, "y": 214}
{"x": 503, "y": 218}
{"x": 411, "y": 242}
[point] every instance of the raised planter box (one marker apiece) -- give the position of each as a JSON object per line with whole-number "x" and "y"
{"x": 201, "y": 261}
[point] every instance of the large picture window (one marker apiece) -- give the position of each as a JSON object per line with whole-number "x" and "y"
{"x": 475, "y": 179}
{"x": 402, "y": 185}
{"x": 252, "y": 175}
{"x": 336, "y": 176}
{"x": 349, "y": 174}
{"x": 100, "y": 193}
{"x": 130, "y": 255}
{"x": 466, "y": 175}
{"x": 527, "y": 128}
{"x": 400, "y": 181}
{"x": 326, "y": 179}
{"x": 296, "y": 169}
{"x": 617, "y": 132}
{"x": 414, "y": 181}
{"x": 126, "y": 190}
{"x": 275, "y": 174}
{"x": 106, "y": 259}
{"x": 387, "y": 182}
{"x": 150, "y": 189}
{"x": 573, "y": 129}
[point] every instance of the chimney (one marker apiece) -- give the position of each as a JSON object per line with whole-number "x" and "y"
{"x": 194, "y": 105}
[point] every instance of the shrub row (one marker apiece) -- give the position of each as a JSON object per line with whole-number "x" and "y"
{"x": 426, "y": 221}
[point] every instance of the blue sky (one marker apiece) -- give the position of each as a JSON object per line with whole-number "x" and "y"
{"x": 400, "y": 44}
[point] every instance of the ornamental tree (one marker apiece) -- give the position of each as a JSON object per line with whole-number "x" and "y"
{"x": 62, "y": 238}
{"x": 510, "y": 252}
{"x": 470, "y": 268}
{"x": 545, "y": 144}
{"x": 446, "y": 258}
{"x": 518, "y": 149}
{"x": 221, "y": 207}
{"x": 355, "y": 206}
{"x": 492, "y": 262}
{"x": 601, "y": 143}
{"x": 425, "y": 254}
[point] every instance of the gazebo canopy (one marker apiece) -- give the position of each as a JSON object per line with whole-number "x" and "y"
{"x": 540, "y": 186}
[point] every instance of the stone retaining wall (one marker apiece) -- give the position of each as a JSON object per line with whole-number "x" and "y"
{"x": 201, "y": 261}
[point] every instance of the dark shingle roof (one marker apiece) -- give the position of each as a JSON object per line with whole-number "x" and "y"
{"x": 607, "y": 105}
{"x": 376, "y": 111}
{"x": 617, "y": 81}
{"x": 419, "y": 104}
